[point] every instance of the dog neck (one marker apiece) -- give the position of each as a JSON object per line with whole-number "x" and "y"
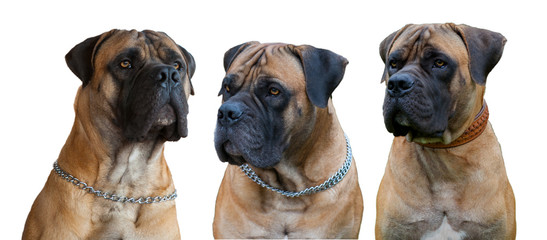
{"x": 123, "y": 167}
{"x": 476, "y": 129}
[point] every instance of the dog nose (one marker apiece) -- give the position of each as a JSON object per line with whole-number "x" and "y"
{"x": 398, "y": 85}
{"x": 229, "y": 113}
{"x": 167, "y": 75}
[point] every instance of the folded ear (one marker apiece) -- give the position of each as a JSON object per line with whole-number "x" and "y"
{"x": 80, "y": 58}
{"x": 323, "y": 70}
{"x": 231, "y": 54}
{"x": 484, "y": 48}
{"x": 385, "y": 47}
{"x": 191, "y": 65}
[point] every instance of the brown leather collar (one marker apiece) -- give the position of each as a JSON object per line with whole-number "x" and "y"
{"x": 475, "y": 130}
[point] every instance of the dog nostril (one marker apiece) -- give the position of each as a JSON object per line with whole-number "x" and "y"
{"x": 161, "y": 76}
{"x": 234, "y": 115}
{"x": 400, "y": 84}
{"x": 229, "y": 113}
{"x": 405, "y": 85}
{"x": 390, "y": 85}
{"x": 175, "y": 77}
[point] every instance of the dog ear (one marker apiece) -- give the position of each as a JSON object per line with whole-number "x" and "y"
{"x": 484, "y": 48}
{"x": 385, "y": 47}
{"x": 191, "y": 66}
{"x": 323, "y": 71}
{"x": 80, "y": 58}
{"x": 231, "y": 54}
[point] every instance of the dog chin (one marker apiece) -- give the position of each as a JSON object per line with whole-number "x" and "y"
{"x": 439, "y": 137}
{"x": 229, "y": 153}
{"x": 401, "y": 125}
{"x": 166, "y": 126}
{"x": 166, "y": 116}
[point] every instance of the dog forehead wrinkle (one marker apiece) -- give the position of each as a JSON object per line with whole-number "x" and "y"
{"x": 130, "y": 39}
{"x": 414, "y": 38}
{"x": 167, "y": 51}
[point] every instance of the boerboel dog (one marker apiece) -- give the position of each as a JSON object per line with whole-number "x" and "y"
{"x": 111, "y": 180}
{"x": 445, "y": 177}
{"x": 290, "y": 173}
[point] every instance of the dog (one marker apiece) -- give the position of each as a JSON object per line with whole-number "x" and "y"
{"x": 111, "y": 180}
{"x": 445, "y": 177}
{"x": 277, "y": 123}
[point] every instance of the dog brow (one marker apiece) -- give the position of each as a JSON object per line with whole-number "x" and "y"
{"x": 130, "y": 52}
{"x": 398, "y": 54}
{"x": 170, "y": 55}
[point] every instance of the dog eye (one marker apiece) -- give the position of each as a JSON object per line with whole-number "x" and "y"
{"x": 440, "y": 63}
{"x": 393, "y": 64}
{"x": 274, "y": 91}
{"x": 125, "y": 64}
{"x": 177, "y": 66}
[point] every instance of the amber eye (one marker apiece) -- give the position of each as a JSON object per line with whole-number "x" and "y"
{"x": 176, "y": 65}
{"x": 440, "y": 63}
{"x": 274, "y": 91}
{"x": 125, "y": 64}
{"x": 227, "y": 88}
{"x": 393, "y": 64}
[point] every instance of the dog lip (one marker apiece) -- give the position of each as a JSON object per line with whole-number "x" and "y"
{"x": 402, "y": 120}
{"x": 400, "y": 130}
{"x": 231, "y": 149}
{"x": 228, "y": 153}
{"x": 166, "y": 116}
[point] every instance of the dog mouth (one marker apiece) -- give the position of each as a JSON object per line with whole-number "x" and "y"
{"x": 167, "y": 123}
{"x": 247, "y": 137}
{"x": 401, "y": 123}
{"x": 166, "y": 116}
{"x": 171, "y": 123}
{"x": 421, "y": 115}
{"x": 231, "y": 154}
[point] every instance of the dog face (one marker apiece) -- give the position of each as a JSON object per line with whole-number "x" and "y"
{"x": 271, "y": 95}
{"x": 435, "y": 76}
{"x": 139, "y": 80}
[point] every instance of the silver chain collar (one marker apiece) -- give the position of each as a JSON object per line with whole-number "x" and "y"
{"x": 336, "y": 178}
{"x": 110, "y": 196}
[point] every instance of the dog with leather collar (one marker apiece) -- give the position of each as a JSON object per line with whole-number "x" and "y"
{"x": 445, "y": 176}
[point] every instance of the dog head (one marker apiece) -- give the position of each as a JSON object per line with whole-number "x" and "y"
{"x": 435, "y": 76}
{"x": 135, "y": 84}
{"x": 272, "y": 94}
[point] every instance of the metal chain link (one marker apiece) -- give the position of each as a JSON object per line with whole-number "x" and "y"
{"x": 335, "y": 179}
{"x": 110, "y": 196}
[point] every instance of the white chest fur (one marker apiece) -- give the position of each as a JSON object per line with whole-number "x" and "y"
{"x": 444, "y": 232}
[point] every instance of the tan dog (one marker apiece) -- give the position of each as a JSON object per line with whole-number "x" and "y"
{"x": 446, "y": 179}
{"x": 277, "y": 120}
{"x": 133, "y": 99}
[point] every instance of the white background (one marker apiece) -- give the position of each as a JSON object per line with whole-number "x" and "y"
{"x": 37, "y": 90}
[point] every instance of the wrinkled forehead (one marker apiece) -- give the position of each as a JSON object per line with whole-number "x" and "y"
{"x": 145, "y": 44}
{"x": 273, "y": 60}
{"x": 418, "y": 38}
